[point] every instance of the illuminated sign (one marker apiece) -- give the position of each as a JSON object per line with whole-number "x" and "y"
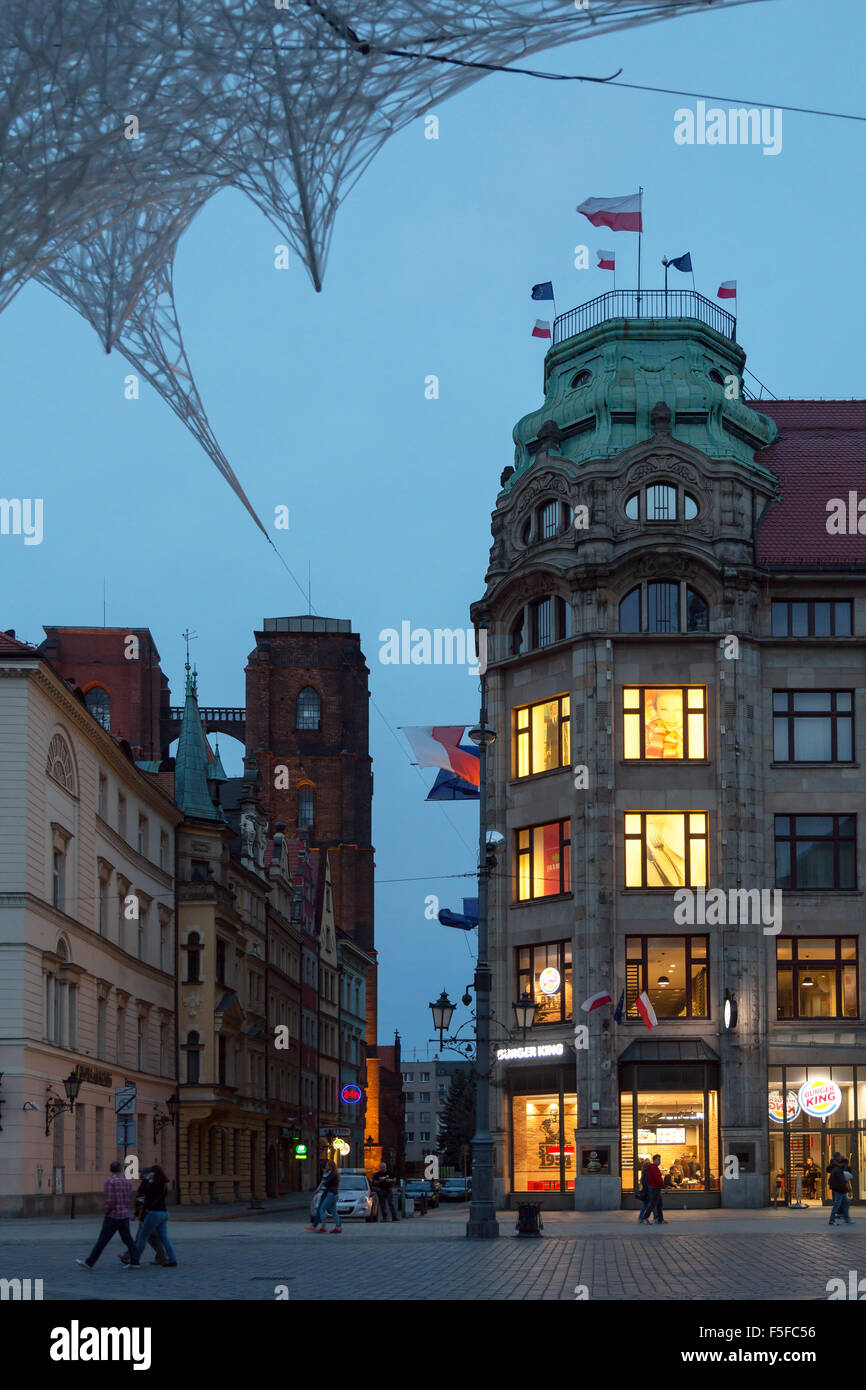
{"x": 549, "y": 981}
{"x": 792, "y": 1107}
{"x": 341, "y": 1147}
{"x": 523, "y": 1054}
{"x": 350, "y": 1095}
{"x": 300, "y": 1151}
{"x": 675, "y": 1134}
{"x": 821, "y": 1098}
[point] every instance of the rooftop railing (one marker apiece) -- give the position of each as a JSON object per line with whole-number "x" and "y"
{"x": 644, "y": 304}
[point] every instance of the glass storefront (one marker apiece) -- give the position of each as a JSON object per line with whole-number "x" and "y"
{"x": 543, "y": 1122}
{"x": 674, "y": 1112}
{"x": 813, "y": 1113}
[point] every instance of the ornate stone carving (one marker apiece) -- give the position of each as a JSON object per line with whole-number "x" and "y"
{"x": 544, "y": 483}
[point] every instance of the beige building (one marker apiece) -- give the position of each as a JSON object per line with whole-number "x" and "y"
{"x": 86, "y": 942}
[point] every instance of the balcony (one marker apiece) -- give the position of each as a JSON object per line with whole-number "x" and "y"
{"x": 644, "y": 304}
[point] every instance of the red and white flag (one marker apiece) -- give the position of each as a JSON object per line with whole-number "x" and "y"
{"x": 727, "y": 290}
{"x": 620, "y": 214}
{"x": 606, "y": 260}
{"x": 646, "y": 1010}
{"x": 596, "y": 1001}
{"x": 541, "y": 329}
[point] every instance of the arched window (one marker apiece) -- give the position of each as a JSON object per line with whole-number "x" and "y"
{"x": 309, "y": 709}
{"x": 193, "y": 958}
{"x": 663, "y": 606}
{"x": 60, "y": 765}
{"x": 551, "y": 621}
{"x": 98, "y": 701}
{"x": 661, "y": 502}
{"x": 306, "y": 808}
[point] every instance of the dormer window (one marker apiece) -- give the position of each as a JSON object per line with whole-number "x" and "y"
{"x": 661, "y": 502}
{"x": 546, "y": 522}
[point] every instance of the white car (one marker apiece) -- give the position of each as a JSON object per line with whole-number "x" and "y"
{"x": 355, "y": 1198}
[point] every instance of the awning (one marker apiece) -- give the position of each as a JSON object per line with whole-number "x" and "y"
{"x": 669, "y": 1050}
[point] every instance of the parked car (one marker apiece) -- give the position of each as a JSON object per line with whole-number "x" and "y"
{"x": 355, "y": 1198}
{"x": 455, "y": 1190}
{"x": 415, "y": 1187}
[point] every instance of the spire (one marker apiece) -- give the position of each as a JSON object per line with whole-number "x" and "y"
{"x": 216, "y": 772}
{"x": 191, "y": 791}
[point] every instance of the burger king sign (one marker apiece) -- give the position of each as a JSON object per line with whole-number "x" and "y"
{"x": 820, "y": 1098}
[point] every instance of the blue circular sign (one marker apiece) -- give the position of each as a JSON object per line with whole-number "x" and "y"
{"x": 350, "y": 1095}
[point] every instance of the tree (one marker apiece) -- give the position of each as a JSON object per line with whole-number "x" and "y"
{"x": 457, "y": 1122}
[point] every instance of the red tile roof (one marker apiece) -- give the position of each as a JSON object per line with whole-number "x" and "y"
{"x": 820, "y": 454}
{"x": 10, "y": 646}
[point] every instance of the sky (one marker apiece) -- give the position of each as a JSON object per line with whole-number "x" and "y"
{"x": 319, "y": 399}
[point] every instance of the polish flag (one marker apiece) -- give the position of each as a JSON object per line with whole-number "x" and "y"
{"x": 541, "y": 329}
{"x": 646, "y": 1010}
{"x": 596, "y": 1001}
{"x": 727, "y": 290}
{"x": 606, "y": 260}
{"x": 620, "y": 214}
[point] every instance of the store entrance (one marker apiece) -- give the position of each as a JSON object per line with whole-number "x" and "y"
{"x": 842, "y": 1141}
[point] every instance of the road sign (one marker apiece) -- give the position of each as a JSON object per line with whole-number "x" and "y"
{"x": 126, "y": 1135}
{"x": 124, "y": 1100}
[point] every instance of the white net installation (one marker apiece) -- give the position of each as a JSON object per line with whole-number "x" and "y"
{"x": 119, "y": 120}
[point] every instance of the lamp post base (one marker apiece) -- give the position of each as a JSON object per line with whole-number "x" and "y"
{"x": 482, "y": 1223}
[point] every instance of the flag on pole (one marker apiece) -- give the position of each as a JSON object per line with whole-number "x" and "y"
{"x": 646, "y": 1010}
{"x": 445, "y": 746}
{"x": 620, "y": 214}
{"x": 543, "y": 291}
{"x": 596, "y": 1001}
{"x": 727, "y": 290}
{"x": 620, "y": 1005}
{"x": 683, "y": 263}
{"x": 606, "y": 260}
{"x": 541, "y": 329}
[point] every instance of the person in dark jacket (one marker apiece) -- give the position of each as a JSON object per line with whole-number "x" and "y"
{"x": 383, "y": 1186}
{"x": 151, "y": 1200}
{"x": 328, "y": 1202}
{"x": 838, "y": 1182}
{"x": 653, "y": 1182}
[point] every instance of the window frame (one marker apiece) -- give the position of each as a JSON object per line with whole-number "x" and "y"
{"x": 778, "y": 603}
{"x": 792, "y": 839}
{"x": 640, "y": 713}
{"x": 688, "y": 837}
{"x": 684, "y": 590}
{"x": 837, "y": 964}
{"x": 518, "y": 733}
{"x": 564, "y": 860}
{"x": 834, "y": 715}
{"x": 306, "y": 726}
{"x": 525, "y": 976}
{"x": 687, "y": 938}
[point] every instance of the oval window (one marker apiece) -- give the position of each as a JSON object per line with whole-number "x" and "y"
{"x": 632, "y": 507}
{"x": 690, "y": 507}
{"x": 717, "y": 377}
{"x": 581, "y": 379}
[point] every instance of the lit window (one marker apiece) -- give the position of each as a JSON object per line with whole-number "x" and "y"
{"x": 664, "y": 722}
{"x": 665, "y": 849}
{"x": 542, "y": 736}
{"x": 545, "y": 973}
{"x": 543, "y": 861}
{"x": 816, "y": 977}
{"x": 673, "y": 971}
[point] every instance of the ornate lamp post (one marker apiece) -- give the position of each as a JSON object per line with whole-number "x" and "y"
{"x": 524, "y": 1012}
{"x": 54, "y": 1106}
{"x": 160, "y": 1121}
{"x": 443, "y": 1011}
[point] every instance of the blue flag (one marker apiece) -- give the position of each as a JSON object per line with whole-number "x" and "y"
{"x": 682, "y": 262}
{"x": 543, "y": 291}
{"x": 620, "y": 1003}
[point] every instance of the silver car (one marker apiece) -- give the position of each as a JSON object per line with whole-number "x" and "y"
{"x": 355, "y": 1198}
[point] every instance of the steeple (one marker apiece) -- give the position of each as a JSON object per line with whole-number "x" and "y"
{"x": 191, "y": 790}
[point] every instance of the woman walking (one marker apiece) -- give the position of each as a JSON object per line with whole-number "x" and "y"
{"x": 838, "y": 1177}
{"x": 154, "y": 1222}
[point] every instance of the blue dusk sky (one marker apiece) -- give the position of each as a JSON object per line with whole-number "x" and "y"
{"x": 319, "y": 399}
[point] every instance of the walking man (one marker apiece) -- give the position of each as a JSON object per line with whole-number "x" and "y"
{"x": 838, "y": 1176}
{"x": 384, "y": 1188}
{"x": 652, "y": 1175}
{"x": 118, "y": 1200}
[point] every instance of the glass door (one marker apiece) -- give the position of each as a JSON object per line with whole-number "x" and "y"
{"x": 843, "y": 1141}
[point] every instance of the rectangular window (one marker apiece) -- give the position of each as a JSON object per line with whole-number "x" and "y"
{"x": 120, "y": 1039}
{"x": 164, "y": 850}
{"x": 58, "y": 879}
{"x": 813, "y": 726}
{"x": 101, "y": 1011}
{"x": 220, "y": 961}
{"x": 121, "y": 814}
{"x": 816, "y": 977}
{"x": 543, "y": 1135}
{"x": 102, "y": 803}
{"x": 549, "y": 520}
{"x": 143, "y": 836}
{"x": 665, "y": 849}
{"x": 104, "y": 897}
{"x": 544, "y": 972}
{"x": 80, "y": 1138}
{"x": 812, "y": 617}
{"x": 816, "y": 852}
{"x": 543, "y": 860}
{"x": 673, "y": 971}
{"x": 542, "y": 736}
{"x": 667, "y": 721}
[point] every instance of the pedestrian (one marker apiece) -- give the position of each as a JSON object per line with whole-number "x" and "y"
{"x": 327, "y": 1206}
{"x": 653, "y": 1182}
{"x": 118, "y": 1200}
{"x": 839, "y": 1176}
{"x": 316, "y": 1203}
{"x": 643, "y": 1194}
{"x": 151, "y": 1198}
{"x": 384, "y": 1188}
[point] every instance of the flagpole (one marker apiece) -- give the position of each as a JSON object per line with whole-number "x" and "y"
{"x": 665, "y": 264}
{"x": 639, "y": 240}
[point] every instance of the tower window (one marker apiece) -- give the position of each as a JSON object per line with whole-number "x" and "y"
{"x": 306, "y": 808}
{"x": 661, "y": 502}
{"x": 581, "y": 379}
{"x": 98, "y": 701}
{"x": 309, "y": 714}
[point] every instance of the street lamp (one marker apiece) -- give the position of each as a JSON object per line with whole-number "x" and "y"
{"x": 54, "y": 1106}
{"x": 443, "y": 1011}
{"x": 524, "y": 1012}
{"x": 160, "y": 1121}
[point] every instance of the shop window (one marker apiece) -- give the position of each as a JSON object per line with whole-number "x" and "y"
{"x": 665, "y": 849}
{"x": 816, "y": 852}
{"x": 545, "y": 973}
{"x": 665, "y": 722}
{"x": 813, "y": 726}
{"x": 542, "y": 736}
{"x": 543, "y": 1136}
{"x": 816, "y": 977}
{"x": 663, "y": 606}
{"x": 682, "y": 1127}
{"x": 812, "y": 617}
{"x": 543, "y": 860}
{"x": 674, "y": 972}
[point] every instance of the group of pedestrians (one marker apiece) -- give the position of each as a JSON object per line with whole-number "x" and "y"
{"x": 150, "y": 1209}
{"x": 326, "y": 1194}
{"x": 651, "y": 1188}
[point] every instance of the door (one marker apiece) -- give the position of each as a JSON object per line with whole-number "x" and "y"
{"x": 841, "y": 1141}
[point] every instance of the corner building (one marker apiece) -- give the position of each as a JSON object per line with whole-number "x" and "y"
{"x": 676, "y": 677}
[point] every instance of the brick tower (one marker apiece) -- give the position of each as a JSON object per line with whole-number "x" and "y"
{"x": 118, "y": 670}
{"x": 307, "y": 735}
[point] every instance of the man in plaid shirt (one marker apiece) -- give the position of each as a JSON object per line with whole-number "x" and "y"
{"x": 118, "y": 1200}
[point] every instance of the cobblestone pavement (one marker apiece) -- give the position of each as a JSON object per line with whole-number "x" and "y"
{"x": 717, "y": 1255}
